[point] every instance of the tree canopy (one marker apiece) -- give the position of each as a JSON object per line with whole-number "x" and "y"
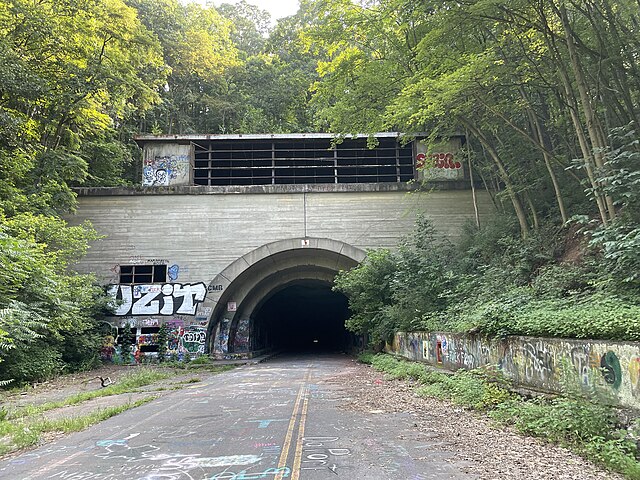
{"x": 546, "y": 92}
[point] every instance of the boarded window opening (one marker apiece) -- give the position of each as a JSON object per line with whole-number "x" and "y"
{"x": 143, "y": 274}
{"x": 132, "y": 334}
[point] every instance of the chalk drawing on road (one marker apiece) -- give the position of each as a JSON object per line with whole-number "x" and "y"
{"x": 267, "y": 422}
{"x": 280, "y": 472}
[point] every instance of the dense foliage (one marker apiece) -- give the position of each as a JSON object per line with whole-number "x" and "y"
{"x": 547, "y": 91}
{"x": 492, "y": 283}
{"x": 548, "y": 94}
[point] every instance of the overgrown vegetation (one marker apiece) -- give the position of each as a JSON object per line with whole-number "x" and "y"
{"x": 18, "y": 434}
{"x": 77, "y": 80}
{"x": 580, "y": 423}
{"x": 127, "y": 383}
{"x": 492, "y": 283}
{"x": 560, "y": 161}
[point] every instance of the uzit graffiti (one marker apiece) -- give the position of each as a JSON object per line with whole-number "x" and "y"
{"x": 167, "y": 299}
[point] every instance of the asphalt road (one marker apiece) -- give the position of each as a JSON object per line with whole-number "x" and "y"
{"x": 280, "y": 419}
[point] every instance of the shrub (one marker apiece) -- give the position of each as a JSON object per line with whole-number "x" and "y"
{"x": 467, "y": 388}
{"x": 564, "y": 420}
{"x": 36, "y": 361}
{"x": 366, "y": 357}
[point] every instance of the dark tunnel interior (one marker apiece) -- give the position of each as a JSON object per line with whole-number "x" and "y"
{"x": 305, "y": 317}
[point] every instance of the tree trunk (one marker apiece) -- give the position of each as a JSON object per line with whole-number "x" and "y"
{"x": 534, "y": 213}
{"x": 577, "y": 123}
{"x": 538, "y": 134}
{"x": 513, "y": 196}
{"x": 473, "y": 186}
{"x": 598, "y": 143}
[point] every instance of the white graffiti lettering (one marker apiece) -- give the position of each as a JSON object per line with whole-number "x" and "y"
{"x": 168, "y": 299}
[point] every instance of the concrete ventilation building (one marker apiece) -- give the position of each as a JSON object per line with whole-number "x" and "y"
{"x": 233, "y": 241}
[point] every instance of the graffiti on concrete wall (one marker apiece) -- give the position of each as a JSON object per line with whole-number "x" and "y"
{"x": 166, "y": 299}
{"x": 147, "y": 339}
{"x": 164, "y": 170}
{"x": 203, "y": 314}
{"x": 175, "y": 329}
{"x": 173, "y": 272}
{"x": 108, "y": 348}
{"x": 185, "y": 339}
{"x": 439, "y": 162}
{"x": 445, "y": 349}
{"x": 634, "y": 375}
{"x": 241, "y": 342}
{"x": 222, "y": 337}
{"x": 193, "y": 339}
{"x": 539, "y": 363}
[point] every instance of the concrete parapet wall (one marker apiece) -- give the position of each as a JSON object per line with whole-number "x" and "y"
{"x": 203, "y": 234}
{"x": 542, "y": 364}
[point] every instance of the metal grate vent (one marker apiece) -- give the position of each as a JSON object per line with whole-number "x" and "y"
{"x": 304, "y": 161}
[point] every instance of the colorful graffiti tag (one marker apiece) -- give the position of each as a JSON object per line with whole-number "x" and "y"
{"x": 164, "y": 170}
{"x": 108, "y": 348}
{"x": 438, "y": 160}
{"x": 193, "y": 339}
{"x": 539, "y": 363}
{"x": 241, "y": 340}
{"x": 186, "y": 340}
{"x": 173, "y": 271}
{"x": 167, "y": 299}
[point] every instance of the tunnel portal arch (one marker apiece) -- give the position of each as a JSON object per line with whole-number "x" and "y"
{"x": 237, "y": 294}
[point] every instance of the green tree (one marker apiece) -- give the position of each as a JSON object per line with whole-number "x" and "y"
{"x": 369, "y": 290}
{"x": 197, "y": 52}
{"x": 250, "y": 26}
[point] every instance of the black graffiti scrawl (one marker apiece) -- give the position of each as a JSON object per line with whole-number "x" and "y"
{"x": 166, "y": 299}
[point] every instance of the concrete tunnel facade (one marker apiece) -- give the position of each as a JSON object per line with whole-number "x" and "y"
{"x": 250, "y": 281}
{"x": 232, "y": 242}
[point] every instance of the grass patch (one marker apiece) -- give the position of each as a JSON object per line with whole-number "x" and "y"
{"x": 191, "y": 380}
{"x": 24, "y": 433}
{"x": 23, "y": 427}
{"x": 128, "y": 383}
{"x": 587, "y": 427}
{"x": 201, "y": 365}
{"x": 211, "y": 368}
{"x": 202, "y": 360}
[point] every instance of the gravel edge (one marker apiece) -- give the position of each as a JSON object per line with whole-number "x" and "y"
{"x": 488, "y": 451}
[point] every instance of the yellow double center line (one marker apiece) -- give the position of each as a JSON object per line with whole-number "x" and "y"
{"x": 300, "y": 409}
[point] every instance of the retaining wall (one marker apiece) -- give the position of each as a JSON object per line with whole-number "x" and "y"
{"x": 543, "y": 364}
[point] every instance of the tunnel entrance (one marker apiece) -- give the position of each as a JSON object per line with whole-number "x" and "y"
{"x": 279, "y": 296}
{"x": 304, "y": 317}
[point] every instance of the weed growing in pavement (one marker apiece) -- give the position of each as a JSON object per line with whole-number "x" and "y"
{"x": 17, "y": 435}
{"x": 573, "y": 420}
{"x": 192, "y": 380}
{"x": 206, "y": 365}
{"x": 202, "y": 360}
{"x": 128, "y": 383}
